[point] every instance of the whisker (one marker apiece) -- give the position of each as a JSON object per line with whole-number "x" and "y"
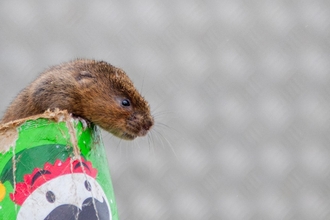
{"x": 133, "y": 146}
{"x": 144, "y": 74}
{"x": 161, "y": 114}
{"x": 151, "y": 148}
{"x": 118, "y": 146}
{"x": 148, "y": 139}
{"x": 163, "y": 125}
{"x": 166, "y": 140}
{"x": 161, "y": 103}
{"x": 159, "y": 139}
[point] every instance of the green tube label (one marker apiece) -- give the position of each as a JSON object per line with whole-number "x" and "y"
{"x": 54, "y": 170}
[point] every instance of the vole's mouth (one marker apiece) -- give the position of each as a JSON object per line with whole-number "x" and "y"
{"x": 131, "y": 135}
{"x": 123, "y": 134}
{"x": 132, "y": 132}
{"x": 127, "y": 136}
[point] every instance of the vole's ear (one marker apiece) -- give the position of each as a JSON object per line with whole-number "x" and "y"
{"x": 85, "y": 77}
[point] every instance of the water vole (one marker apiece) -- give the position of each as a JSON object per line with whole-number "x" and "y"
{"x": 93, "y": 90}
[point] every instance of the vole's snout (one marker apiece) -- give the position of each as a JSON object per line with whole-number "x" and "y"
{"x": 140, "y": 124}
{"x": 148, "y": 124}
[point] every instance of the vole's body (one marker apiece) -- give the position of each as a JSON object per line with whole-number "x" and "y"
{"x": 94, "y": 90}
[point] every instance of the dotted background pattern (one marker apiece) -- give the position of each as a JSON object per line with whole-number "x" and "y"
{"x": 240, "y": 91}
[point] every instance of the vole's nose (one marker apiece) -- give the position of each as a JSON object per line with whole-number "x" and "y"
{"x": 146, "y": 126}
{"x": 149, "y": 123}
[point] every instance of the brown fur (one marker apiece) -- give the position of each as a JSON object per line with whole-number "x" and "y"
{"x": 89, "y": 89}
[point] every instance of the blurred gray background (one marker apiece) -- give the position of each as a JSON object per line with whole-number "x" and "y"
{"x": 239, "y": 89}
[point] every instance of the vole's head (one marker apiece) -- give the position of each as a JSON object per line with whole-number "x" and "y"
{"x": 109, "y": 99}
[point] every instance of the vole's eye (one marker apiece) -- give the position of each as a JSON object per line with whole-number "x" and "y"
{"x": 125, "y": 103}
